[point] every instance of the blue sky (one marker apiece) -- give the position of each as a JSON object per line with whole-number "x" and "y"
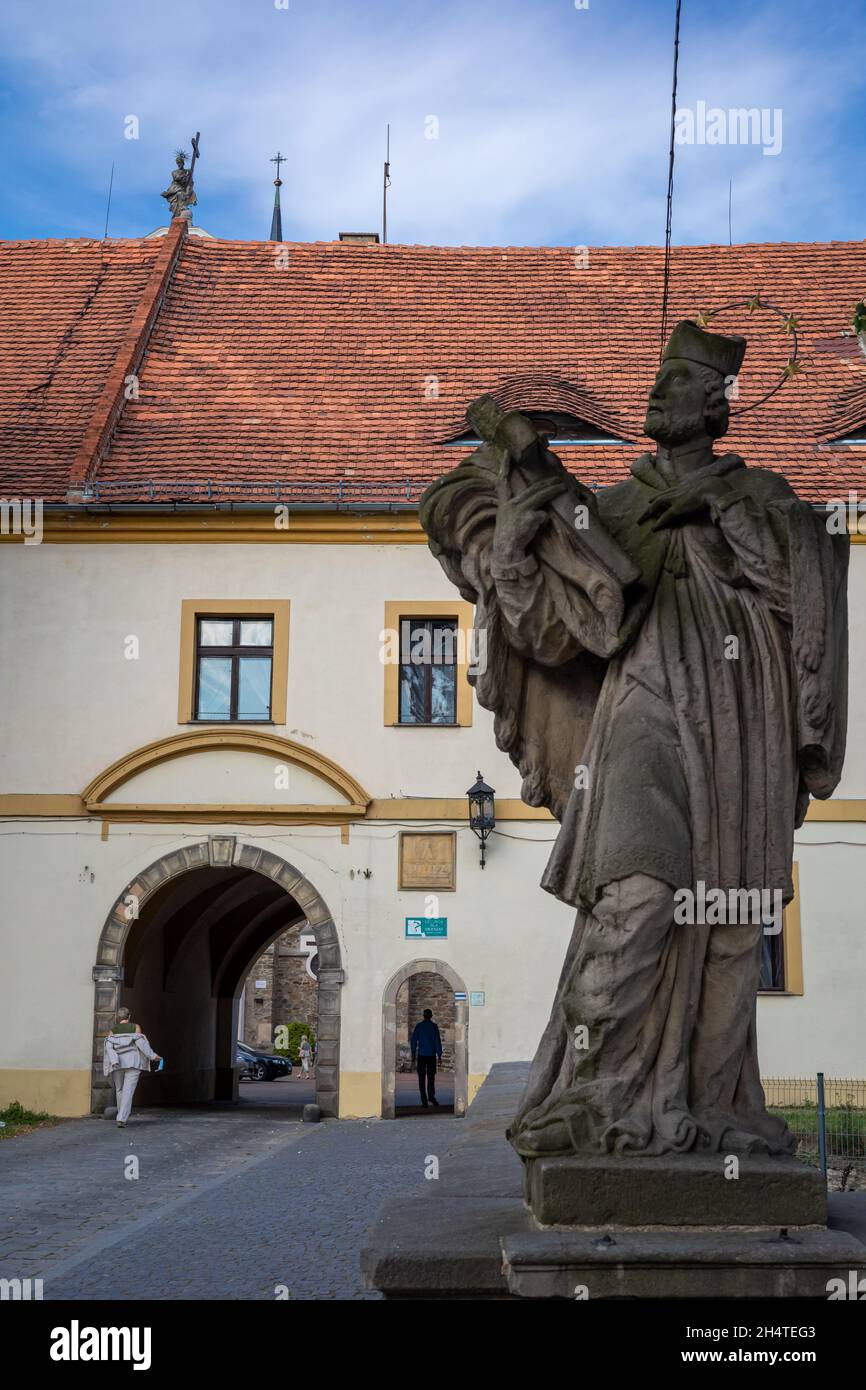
{"x": 552, "y": 120}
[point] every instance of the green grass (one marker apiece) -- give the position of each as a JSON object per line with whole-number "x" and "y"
{"x": 845, "y": 1128}
{"x": 15, "y": 1120}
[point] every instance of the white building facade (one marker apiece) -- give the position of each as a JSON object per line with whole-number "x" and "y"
{"x": 117, "y": 805}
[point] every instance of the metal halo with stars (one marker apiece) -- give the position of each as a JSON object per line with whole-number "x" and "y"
{"x": 794, "y": 364}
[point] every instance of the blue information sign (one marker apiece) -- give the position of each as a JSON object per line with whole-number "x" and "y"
{"x": 426, "y": 926}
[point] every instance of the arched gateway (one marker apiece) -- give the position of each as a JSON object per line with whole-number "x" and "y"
{"x": 177, "y": 946}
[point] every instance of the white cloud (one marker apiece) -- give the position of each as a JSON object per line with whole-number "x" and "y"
{"x": 553, "y": 122}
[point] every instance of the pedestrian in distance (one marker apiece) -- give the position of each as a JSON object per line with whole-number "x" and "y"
{"x": 306, "y": 1054}
{"x": 427, "y": 1049}
{"x": 126, "y": 1054}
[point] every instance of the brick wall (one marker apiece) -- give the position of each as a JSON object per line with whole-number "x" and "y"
{"x": 427, "y": 991}
{"x": 259, "y": 1002}
{"x": 289, "y": 994}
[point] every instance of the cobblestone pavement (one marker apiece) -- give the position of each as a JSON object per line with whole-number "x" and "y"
{"x": 227, "y": 1204}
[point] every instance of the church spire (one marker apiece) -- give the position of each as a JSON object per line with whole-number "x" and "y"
{"x": 277, "y": 219}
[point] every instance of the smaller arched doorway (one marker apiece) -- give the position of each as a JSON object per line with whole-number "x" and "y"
{"x": 459, "y": 1027}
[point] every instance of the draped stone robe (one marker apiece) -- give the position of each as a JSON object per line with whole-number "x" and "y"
{"x": 700, "y": 755}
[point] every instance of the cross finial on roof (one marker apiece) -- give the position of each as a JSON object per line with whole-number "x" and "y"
{"x": 277, "y": 219}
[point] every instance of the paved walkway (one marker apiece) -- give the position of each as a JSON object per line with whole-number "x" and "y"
{"x": 227, "y": 1204}
{"x": 295, "y": 1092}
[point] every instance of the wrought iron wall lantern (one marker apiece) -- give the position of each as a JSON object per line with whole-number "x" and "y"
{"x": 482, "y": 811}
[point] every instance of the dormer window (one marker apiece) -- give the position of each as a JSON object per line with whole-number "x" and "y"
{"x": 559, "y": 426}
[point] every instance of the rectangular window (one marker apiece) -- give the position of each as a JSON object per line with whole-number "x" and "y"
{"x": 772, "y": 962}
{"x": 428, "y": 652}
{"x": 782, "y": 954}
{"x": 428, "y": 670}
{"x": 233, "y": 669}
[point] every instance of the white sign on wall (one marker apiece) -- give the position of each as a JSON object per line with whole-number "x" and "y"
{"x": 307, "y": 942}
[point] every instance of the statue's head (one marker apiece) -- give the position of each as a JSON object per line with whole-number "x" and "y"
{"x": 180, "y": 158}
{"x": 689, "y": 396}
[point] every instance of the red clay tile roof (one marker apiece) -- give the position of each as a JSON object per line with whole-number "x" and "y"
{"x": 64, "y": 309}
{"x": 341, "y": 373}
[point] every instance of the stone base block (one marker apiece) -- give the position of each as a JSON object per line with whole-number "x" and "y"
{"x": 678, "y": 1264}
{"x": 675, "y": 1190}
{"x": 441, "y": 1247}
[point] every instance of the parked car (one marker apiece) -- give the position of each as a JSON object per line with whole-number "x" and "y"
{"x": 244, "y": 1064}
{"x": 258, "y": 1064}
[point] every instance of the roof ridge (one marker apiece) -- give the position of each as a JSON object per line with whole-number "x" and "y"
{"x": 109, "y": 407}
{"x": 383, "y": 249}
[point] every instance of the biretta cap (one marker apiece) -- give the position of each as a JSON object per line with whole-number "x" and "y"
{"x": 723, "y": 355}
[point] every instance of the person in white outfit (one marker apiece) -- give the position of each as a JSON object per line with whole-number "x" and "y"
{"x": 126, "y": 1054}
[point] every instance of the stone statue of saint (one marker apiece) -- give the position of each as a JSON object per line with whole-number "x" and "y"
{"x": 667, "y": 663}
{"x": 180, "y": 194}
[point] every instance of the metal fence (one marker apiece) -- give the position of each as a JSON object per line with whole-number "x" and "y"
{"x": 827, "y": 1117}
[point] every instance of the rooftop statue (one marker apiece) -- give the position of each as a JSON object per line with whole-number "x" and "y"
{"x": 667, "y": 665}
{"x": 180, "y": 194}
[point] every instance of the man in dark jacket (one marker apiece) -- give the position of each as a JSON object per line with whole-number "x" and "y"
{"x": 427, "y": 1047}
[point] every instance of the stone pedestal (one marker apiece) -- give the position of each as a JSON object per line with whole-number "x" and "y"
{"x": 675, "y": 1190}
{"x": 706, "y": 1263}
{"x": 610, "y": 1228}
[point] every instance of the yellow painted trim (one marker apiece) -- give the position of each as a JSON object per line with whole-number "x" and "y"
{"x": 275, "y": 608}
{"x": 216, "y": 528}
{"x": 193, "y": 811}
{"x": 386, "y": 808}
{"x": 836, "y": 810}
{"x": 792, "y": 940}
{"x": 431, "y": 808}
{"x": 199, "y": 740}
{"x": 392, "y": 809}
{"x": 475, "y": 1081}
{"x": 360, "y": 1095}
{"x": 41, "y": 804}
{"x": 57, "y": 1092}
{"x": 185, "y": 528}
{"x": 415, "y": 608}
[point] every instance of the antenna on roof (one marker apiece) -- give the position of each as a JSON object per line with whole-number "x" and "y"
{"x": 730, "y": 197}
{"x": 108, "y": 204}
{"x": 277, "y": 219}
{"x": 386, "y": 184}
